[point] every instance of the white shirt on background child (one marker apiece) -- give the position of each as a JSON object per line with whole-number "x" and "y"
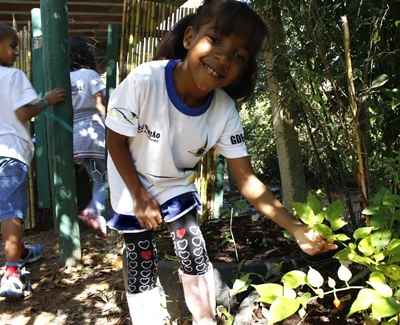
{"x": 89, "y": 129}
{"x": 167, "y": 138}
{"x": 85, "y": 83}
{"x": 15, "y": 91}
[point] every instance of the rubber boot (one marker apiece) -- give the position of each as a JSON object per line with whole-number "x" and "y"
{"x": 199, "y": 291}
{"x": 148, "y": 307}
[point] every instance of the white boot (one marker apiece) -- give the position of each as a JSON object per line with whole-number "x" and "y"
{"x": 148, "y": 307}
{"x": 199, "y": 293}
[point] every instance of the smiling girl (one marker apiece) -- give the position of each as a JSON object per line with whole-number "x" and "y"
{"x": 161, "y": 116}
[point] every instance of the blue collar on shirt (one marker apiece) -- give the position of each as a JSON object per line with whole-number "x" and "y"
{"x": 174, "y": 97}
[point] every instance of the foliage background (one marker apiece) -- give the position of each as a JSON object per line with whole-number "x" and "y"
{"x": 317, "y": 84}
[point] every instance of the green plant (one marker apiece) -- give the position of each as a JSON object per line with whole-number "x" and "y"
{"x": 324, "y": 220}
{"x": 383, "y": 211}
{"x": 298, "y": 289}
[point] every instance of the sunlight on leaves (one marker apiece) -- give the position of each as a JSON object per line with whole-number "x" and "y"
{"x": 294, "y": 279}
{"x": 269, "y": 292}
{"x": 282, "y": 308}
{"x": 314, "y": 278}
{"x": 344, "y": 273}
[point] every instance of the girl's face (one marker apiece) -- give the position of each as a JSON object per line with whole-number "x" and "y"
{"x": 214, "y": 60}
{"x": 8, "y": 51}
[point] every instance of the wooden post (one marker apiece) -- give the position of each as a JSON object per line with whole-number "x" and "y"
{"x": 56, "y": 69}
{"x": 359, "y": 143}
{"x": 218, "y": 186}
{"x": 113, "y": 43}
{"x": 40, "y": 125}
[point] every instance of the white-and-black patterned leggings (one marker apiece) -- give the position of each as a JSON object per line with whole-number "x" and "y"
{"x": 141, "y": 253}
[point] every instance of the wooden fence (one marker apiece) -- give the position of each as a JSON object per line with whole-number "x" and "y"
{"x": 144, "y": 23}
{"x": 24, "y": 63}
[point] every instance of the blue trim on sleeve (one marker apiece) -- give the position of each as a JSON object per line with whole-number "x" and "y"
{"x": 174, "y": 97}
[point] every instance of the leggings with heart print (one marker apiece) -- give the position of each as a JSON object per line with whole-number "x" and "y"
{"x": 141, "y": 253}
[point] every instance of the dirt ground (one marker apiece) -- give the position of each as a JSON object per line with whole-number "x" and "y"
{"x": 93, "y": 292}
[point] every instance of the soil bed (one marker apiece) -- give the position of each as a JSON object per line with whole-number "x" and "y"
{"x": 93, "y": 293}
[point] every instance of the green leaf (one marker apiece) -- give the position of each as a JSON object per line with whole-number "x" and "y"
{"x": 282, "y": 308}
{"x": 344, "y": 273}
{"x": 365, "y": 246}
{"x": 381, "y": 239}
{"x": 379, "y": 257}
{"x": 377, "y": 281}
{"x": 306, "y": 214}
{"x": 322, "y": 229}
{"x": 392, "y": 271}
{"x": 377, "y": 277}
{"x": 314, "y": 278}
{"x": 294, "y": 279}
{"x": 383, "y": 289}
{"x": 338, "y": 237}
{"x": 221, "y": 310}
{"x": 334, "y": 214}
{"x": 370, "y": 211}
{"x": 240, "y": 285}
{"x": 394, "y": 246}
{"x": 314, "y": 203}
{"x": 394, "y": 250}
{"x": 363, "y": 301}
{"x": 331, "y": 282}
{"x": 362, "y": 232}
{"x": 348, "y": 254}
{"x": 380, "y": 81}
{"x": 384, "y": 307}
{"x": 269, "y": 292}
{"x": 304, "y": 299}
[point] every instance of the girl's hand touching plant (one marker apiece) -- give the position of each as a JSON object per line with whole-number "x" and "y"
{"x": 311, "y": 242}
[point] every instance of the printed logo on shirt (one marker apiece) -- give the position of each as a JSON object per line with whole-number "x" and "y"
{"x": 77, "y": 87}
{"x": 152, "y": 135}
{"x": 238, "y": 138}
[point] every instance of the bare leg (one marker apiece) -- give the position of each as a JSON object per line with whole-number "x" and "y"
{"x": 11, "y": 230}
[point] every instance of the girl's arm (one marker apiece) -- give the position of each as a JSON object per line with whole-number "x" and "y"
{"x": 147, "y": 209}
{"x": 100, "y": 104}
{"x": 25, "y": 113}
{"x": 265, "y": 202}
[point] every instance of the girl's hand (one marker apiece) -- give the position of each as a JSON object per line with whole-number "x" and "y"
{"x": 311, "y": 242}
{"x": 147, "y": 211}
{"x": 55, "y": 96}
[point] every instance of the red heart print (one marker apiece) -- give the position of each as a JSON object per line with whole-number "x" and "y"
{"x": 146, "y": 255}
{"x": 180, "y": 233}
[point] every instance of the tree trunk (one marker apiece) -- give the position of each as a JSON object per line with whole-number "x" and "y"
{"x": 283, "y": 98}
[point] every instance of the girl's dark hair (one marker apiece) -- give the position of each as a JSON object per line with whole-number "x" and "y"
{"x": 7, "y": 32}
{"x": 230, "y": 17}
{"x": 81, "y": 54}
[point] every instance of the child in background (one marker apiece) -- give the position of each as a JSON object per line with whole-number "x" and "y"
{"x": 19, "y": 103}
{"x": 89, "y": 130}
{"x": 162, "y": 119}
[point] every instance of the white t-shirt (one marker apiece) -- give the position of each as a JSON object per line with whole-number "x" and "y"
{"x": 15, "y": 91}
{"x": 85, "y": 83}
{"x": 167, "y": 138}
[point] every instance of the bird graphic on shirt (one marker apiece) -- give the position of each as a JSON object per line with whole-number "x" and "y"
{"x": 123, "y": 113}
{"x": 201, "y": 151}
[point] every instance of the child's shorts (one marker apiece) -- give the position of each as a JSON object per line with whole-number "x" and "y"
{"x": 13, "y": 189}
{"x": 171, "y": 210}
